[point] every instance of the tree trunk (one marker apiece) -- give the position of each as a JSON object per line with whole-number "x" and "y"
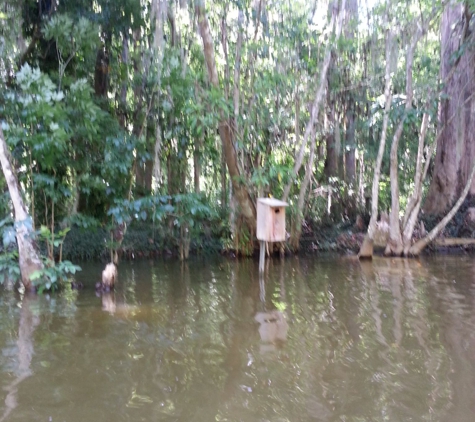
{"x": 198, "y": 146}
{"x": 333, "y": 143}
{"x": 310, "y": 128}
{"x": 417, "y": 248}
{"x": 395, "y": 241}
{"x": 414, "y": 203}
{"x": 455, "y": 147}
{"x": 350, "y": 144}
{"x": 122, "y": 112}
{"x": 400, "y": 236}
{"x": 247, "y": 207}
{"x": 101, "y": 72}
{"x": 29, "y": 258}
{"x": 351, "y": 26}
{"x": 366, "y": 250}
{"x": 158, "y": 13}
{"x": 337, "y": 19}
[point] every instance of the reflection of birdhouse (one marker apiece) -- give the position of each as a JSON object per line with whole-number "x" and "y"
{"x": 273, "y": 326}
{"x": 271, "y": 220}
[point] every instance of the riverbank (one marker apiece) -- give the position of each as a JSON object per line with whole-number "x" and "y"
{"x": 144, "y": 240}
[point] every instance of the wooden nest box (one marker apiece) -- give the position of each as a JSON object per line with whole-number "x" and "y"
{"x": 271, "y": 220}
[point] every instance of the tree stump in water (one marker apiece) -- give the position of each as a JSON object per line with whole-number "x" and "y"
{"x": 109, "y": 277}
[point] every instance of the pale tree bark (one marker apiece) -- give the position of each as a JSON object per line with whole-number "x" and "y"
{"x": 333, "y": 143}
{"x": 309, "y": 134}
{"x": 395, "y": 241}
{"x": 400, "y": 235}
{"x": 336, "y": 20}
{"x": 237, "y": 71}
{"x": 350, "y": 143}
{"x": 455, "y": 148}
{"x": 158, "y": 13}
{"x": 417, "y": 248}
{"x": 247, "y": 207}
{"x": 29, "y": 258}
{"x": 414, "y": 203}
{"x": 350, "y": 25}
{"x": 366, "y": 250}
{"x": 197, "y": 153}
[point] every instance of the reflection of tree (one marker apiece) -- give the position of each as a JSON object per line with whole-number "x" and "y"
{"x": 369, "y": 339}
{"x": 383, "y": 339}
{"x": 454, "y": 299}
{"x": 405, "y": 319}
{"x": 25, "y": 350}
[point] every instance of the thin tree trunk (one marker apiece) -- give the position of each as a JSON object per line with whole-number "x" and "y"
{"x": 158, "y": 13}
{"x": 366, "y": 250}
{"x": 333, "y": 144}
{"x": 337, "y": 19}
{"x": 237, "y": 71}
{"x": 247, "y": 207}
{"x": 197, "y": 162}
{"x": 350, "y": 28}
{"x": 350, "y": 144}
{"x": 394, "y": 245}
{"x": 310, "y": 128}
{"x": 29, "y": 258}
{"x": 125, "y": 82}
{"x": 414, "y": 203}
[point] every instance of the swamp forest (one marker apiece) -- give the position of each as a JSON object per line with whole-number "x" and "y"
{"x": 146, "y": 134}
{"x": 138, "y": 128}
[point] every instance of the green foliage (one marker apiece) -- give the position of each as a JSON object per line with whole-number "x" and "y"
{"x": 53, "y": 240}
{"x": 51, "y": 277}
{"x": 81, "y": 157}
{"x": 9, "y": 268}
{"x": 86, "y": 243}
{"x": 72, "y": 38}
{"x": 191, "y": 209}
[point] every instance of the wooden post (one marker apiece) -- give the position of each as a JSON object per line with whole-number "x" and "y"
{"x": 262, "y": 255}
{"x": 262, "y": 289}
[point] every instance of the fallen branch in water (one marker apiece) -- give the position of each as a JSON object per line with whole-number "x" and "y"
{"x": 454, "y": 241}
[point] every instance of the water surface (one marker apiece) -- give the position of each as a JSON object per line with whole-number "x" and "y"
{"x": 318, "y": 339}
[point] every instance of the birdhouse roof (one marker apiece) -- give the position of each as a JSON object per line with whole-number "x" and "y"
{"x": 272, "y": 202}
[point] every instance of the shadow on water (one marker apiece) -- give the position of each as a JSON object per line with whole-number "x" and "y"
{"x": 326, "y": 339}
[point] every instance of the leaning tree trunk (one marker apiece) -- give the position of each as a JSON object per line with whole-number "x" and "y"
{"x": 417, "y": 248}
{"x": 247, "y": 207}
{"x": 28, "y": 255}
{"x": 366, "y": 250}
{"x": 336, "y": 26}
{"x": 456, "y": 146}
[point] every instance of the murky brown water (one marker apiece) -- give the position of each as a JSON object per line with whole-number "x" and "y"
{"x": 323, "y": 339}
